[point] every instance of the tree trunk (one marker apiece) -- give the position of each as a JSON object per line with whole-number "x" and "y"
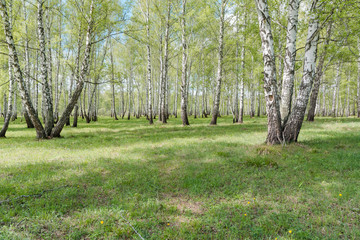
{"x": 27, "y": 66}
{"x": 130, "y": 79}
{"x": 183, "y": 87}
{"x": 8, "y": 113}
{"x": 113, "y": 113}
{"x": 150, "y": 109}
{"x": 242, "y": 74}
{"x": 44, "y": 74}
{"x": 80, "y": 82}
{"x": 289, "y": 62}
{"x": 165, "y": 73}
{"x": 236, "y": 100}
{"x": 323, "y": 112}
{"x": 14, "y": 109}
{"x": 57, "y": 97}
{"x": 176, "y": 89}
{"x": 270, "y": 86}
{"x": 25, "y": 97}
{"x": 5, "y": 106}
{"x": 318, "y": 75}
{"x": 334, "y": 108}
{"x": 294, "y": 123}
{"x": 220, "y": 65}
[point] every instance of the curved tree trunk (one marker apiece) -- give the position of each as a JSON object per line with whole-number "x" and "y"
{"x": 80, "y": 81}
{"x": 293, "y": 125}
{"x": 318, "y": 77}
{"x": 8, "y": 113}
{"x": 25, "y": 97}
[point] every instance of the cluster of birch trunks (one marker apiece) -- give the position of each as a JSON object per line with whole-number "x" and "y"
{"x": 167, "y": 67}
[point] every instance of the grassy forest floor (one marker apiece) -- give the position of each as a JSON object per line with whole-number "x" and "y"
{"x": 174, "y": 182}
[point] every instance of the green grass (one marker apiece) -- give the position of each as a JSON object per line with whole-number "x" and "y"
{"x": 174, "y": 182}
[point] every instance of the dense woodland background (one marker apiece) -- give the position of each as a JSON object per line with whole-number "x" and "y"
{"x": 134, "y": 73}
{"x": 160, "y": 58}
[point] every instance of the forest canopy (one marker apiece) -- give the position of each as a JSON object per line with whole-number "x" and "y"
{"x": 286, "y": 59}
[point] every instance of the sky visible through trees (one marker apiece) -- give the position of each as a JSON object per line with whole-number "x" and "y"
{"x": 196, "y": 58}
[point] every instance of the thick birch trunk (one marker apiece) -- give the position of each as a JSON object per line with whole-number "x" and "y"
{"x": 289, "y": 61}
{"x": 294, "y": 123}
{"x": 44, "y": 74}
{"x": 270, "y": 86}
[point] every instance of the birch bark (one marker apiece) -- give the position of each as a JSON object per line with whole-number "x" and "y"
{"x": 80, "y": 82}
{"x": 183, "y": 88}
{"x": 48, "y": 106}
{"x": 25, "y": 97}
{"x": 318, "y": 75}
{"x": 293, "y": 125}
{"x": 216, "y": 107}
{"x": 274, "y": 135}
{"x": 150, "y": 109}
{"x": 289, "y": 61}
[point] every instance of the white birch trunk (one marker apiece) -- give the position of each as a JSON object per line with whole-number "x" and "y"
{"x": 289, "y": 61}
{"x": 183, "y": 87}
{"x": 150, "y": 109}
{"x": 25, "y": 97}
{"x": 270, "y": 86}
{"x": 215, "y": 113}
{"x": 296, "y": 118}
{"x": 44, "y": 74}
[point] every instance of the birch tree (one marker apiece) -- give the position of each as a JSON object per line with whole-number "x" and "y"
{"x": 216, "y": 107}
{"x": 184, "y": 100}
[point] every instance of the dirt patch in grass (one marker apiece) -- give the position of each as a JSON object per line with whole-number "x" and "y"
{"x": 183, "y": 205}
